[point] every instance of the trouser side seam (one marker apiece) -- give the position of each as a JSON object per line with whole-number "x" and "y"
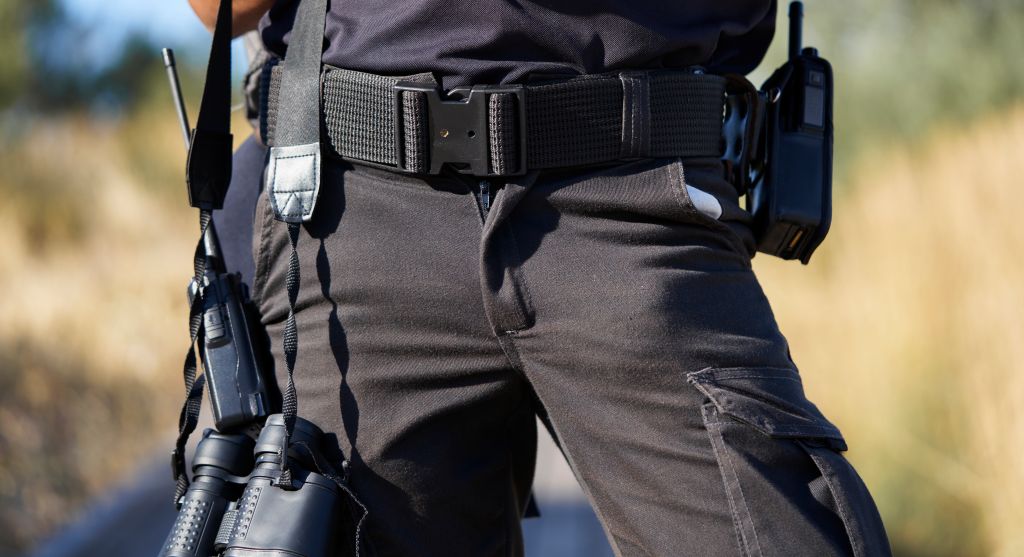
{"x": 742, "y": 520}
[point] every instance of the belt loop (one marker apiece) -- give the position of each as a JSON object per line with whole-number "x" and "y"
{"x": 636, "y": 114}
{"x": 506, "y": 129}
{"x": 412, "y": 147}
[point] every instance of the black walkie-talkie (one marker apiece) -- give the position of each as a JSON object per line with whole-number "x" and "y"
{"x": 239, "y": 395}
{"x": 791, "y": 197}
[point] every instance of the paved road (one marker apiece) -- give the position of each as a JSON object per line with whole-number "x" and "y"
{"x": 134, "y": 520}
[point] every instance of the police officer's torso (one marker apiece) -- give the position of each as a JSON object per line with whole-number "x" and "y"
{"x": 498, "y": 41}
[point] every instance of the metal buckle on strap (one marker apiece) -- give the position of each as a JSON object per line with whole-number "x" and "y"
{"x": 458, "y": 127}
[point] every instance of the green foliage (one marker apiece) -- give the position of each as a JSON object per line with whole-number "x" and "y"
{"x": 16, "y": 20}
{"x": 45, "y": 70}
{"x": 902, "y": 66}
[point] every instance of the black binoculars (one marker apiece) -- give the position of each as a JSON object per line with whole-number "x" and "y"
{"x": 236, "y": 507}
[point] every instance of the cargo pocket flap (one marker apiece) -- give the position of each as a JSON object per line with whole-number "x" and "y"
{"x": 771, "y": 400}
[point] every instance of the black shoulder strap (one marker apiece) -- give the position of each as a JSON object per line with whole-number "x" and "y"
{"x": 209, "y": 154}
{"x": 293, "y": 171}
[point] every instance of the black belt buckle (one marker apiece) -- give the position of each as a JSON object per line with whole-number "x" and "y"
{"x": 458, "y": 127}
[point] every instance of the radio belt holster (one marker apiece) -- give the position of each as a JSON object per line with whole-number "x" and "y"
{"x": 409, "y": 125}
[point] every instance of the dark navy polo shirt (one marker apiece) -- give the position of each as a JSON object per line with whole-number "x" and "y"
{"x": 469, "y": 42}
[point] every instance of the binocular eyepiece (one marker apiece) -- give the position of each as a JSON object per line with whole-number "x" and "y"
{"x": 235, "y": 506}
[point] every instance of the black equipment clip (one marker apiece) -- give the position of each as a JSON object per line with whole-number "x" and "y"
{"x": 742, "y": 131}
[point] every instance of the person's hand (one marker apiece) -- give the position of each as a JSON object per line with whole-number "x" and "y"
{"x": 246, "y": 14}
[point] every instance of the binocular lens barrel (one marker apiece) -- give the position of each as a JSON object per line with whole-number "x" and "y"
{"x": 217, "y": 460}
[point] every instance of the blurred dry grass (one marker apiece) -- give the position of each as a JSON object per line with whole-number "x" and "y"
{"x": 907, "y": 325}
{"x": 909, "y": 329}
{"x": 94, "y": 256}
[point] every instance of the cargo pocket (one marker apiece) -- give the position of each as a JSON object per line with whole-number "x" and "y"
{"x": 789, "y": 488}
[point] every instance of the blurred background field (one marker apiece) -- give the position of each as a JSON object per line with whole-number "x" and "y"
{"x": 907, "y": 326}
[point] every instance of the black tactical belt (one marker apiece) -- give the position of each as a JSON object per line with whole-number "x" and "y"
{"x": 408, "y": 125}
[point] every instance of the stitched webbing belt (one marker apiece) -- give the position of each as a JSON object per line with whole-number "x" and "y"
{"x": 506, "y": 130}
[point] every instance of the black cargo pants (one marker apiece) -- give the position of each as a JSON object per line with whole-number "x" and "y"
{"x": 438, "y": 315}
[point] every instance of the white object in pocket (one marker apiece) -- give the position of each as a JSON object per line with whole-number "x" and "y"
{"x": 704, "y": 202}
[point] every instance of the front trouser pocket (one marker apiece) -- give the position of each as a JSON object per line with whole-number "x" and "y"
{"x": 790, "y": 490}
